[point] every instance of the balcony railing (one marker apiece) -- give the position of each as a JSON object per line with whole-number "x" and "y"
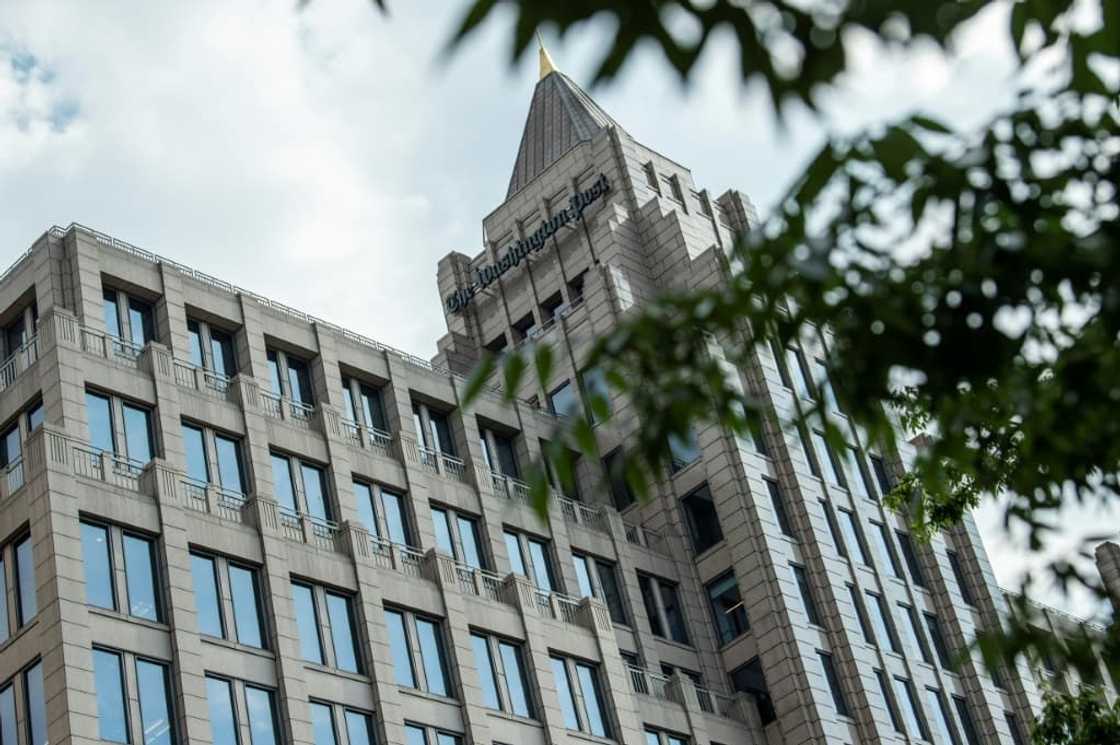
{"x": 577, "y": 513}
{"x": 20, "y": 360}
{"x": 639, "y": 535}
{"x": 654, "y": 684}
{"x": 196, "y": 378}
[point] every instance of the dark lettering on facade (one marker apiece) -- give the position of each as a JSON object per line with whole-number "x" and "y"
{"x": 520, "y": 250}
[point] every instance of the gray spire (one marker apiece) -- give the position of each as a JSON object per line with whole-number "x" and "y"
{"x": 561, "y": 116}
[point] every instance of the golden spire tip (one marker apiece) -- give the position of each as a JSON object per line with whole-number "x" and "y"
{"x": 547, "y": 66}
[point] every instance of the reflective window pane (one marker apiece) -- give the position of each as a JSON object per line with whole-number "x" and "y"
{"x": 702, "y": 519}
{"x": 282, "y": 483}
{"x": 583, "y": 578}
{"x": 36, "y": 704}
{"x": 262, "y": 716}
{"x": 468, "y": 539}
{"x": 299, "y": 381}
{"x": 207, "y": 600}
{"x": 395, "y": 521}
{"x": 35, "y": 416}
{"x": 138, "y": 434}
{"x": 727, "y": 608}
{"x": 592, "y": 700}
{"x": 223, "y": 717}
{"x": 26, "y": 586}
{"x": 443, "y": 532}
{"x": 155, "y": 703}
{"x": 612, "y": 595}
{"x": 359, "y": 728}
{"x": 485, "y": 667}
{"x": 112, "y": 718}
{"x": 431, "y": 655}
{"x": 140, "y": 322}
{"x": 342, "y": 633}
{"x": 398, "y": 645}
{"x": 564, "y": 693}
{"x": 315, "y": 490}
{"x": 513, "y": 549}
{"x": 322, "y": 724}
{"x": 8, "y": 727}
{"x": 246, "y": 606}
{"x": 671, "y": 603}
{"x": 109, "y": 313}
{"x": 307, "y": 621}
{"x": 98, "y": 566}
{"x": 195, "y": 447}
{"x": 100, "y": 421}
{"x": 5, "y": 631}
{"x": 850, "y": 530}
{"x": 274, "y": 371}
{"x": 446, "y": 738}
{"x": 564, "y": 401}
{"x": 140, "y": 577}
{"x": 194, "y": 343}
{"x": 415, "y": 735}
{"x": 363, "y": 497}
{"x": 221, "y": 353}
{"x": 542, "y": 567}
{"x": 231, "y": 473}
{"x": 515, "y": 679}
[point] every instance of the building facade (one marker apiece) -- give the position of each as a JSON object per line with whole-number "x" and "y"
{"x": 225, "y": 521}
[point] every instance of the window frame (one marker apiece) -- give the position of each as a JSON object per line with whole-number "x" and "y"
{"x": 703, "y": 537}
{"x": 500, "y": 673}
{"x": 221, "y": 567}
{"x": 417, "y": 658}
{"x": 578, "y": 697}
{"x": 736, "y": 628}
{"x": 121, "y": 575}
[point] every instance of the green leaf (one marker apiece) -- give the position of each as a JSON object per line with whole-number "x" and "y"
{"x": 478, "y": 379}
{"x": 513, "y": 372}
{"x": 544, "y": 365}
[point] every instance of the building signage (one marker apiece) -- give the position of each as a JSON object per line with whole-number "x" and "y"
{"x": 520, "y": 250}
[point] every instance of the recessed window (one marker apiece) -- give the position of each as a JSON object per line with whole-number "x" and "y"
{"x": 326, "y": 622}
{"x": 383, "y": 512}
{"x": 913, "y": 633}
{"x": 437, "y": 435}
{"x": 108, "y": 677}
{"x": 808, "y": 599}
{"x": 660, "y": 737}
{"x": 1013, "y": 726}
{"x": 420, "y": 734}
{"x": 136, "y": 441}
{"x": 150, "y": 686}
{"x": 855, "y": 476}
{"x": 969, "y": 727}
{"x": 886, "y": 484}
{"x": 215, "y": 459}
{"x": 127, "y": 317}
{"x": 27, "y": 603}
{"x": 781, "y": 510}
{"x": 598, "y": 393}
{"x": 211, "y": 349}
{"x": 911, "y": 711}
{"x": 524, "y": 327}
{"x": 363, "y": 404}
{"x": 933, "y": 626}
{"x": 291, "y": 477}
{"x": 824, "y": 385}
{"x": 663, "y": 608}
{"x": 457, "y": 536}
{"x": 614, "y": 465}
{"x": 259, "y": 707}
{"x": 861, "y": 615}
{"x": 498, "y": 452}
{"x": 586, "y": 711}
{"x": 882, "y": 542}
{"x": 727, "y": 608}
{"x": 105, "y": 547}
{"x": 798, "y": 374}
{"x": 531, "y": 557}
{"x": 853, "y": 537}
{"x": 598, "y": 578}
{"x": 751, "y": 680}
{"x": 838, "y": 698}
{"x": 880, "y": 619}
{"x": 501, "y": 671}
{"x": 942, "y": 719}
{"x": 896, "y": 720}
{"x": 289, "y": 377}
{"x": 683, "y": 451}
{"x": 959, "y": 576}
{"x": 239, "y": 620}
{"x": 828, "y": 465}
{"x": 906, "y": 544}
{"x": 417, "y": 648}
{"x": 564, "y": 400}
{"x": 702, "y": 518}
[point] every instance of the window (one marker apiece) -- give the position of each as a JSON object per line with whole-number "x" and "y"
{"x": 498, "y": 452}
{"x": 798, "y": 375}
{"x": 363, "y": 405}
{"x": 826, "y": 460}
{"x": 9, "y": 730}
{"x": 332, "y": 643}
{"x": 962, "y": 580}
{"x": 322, "y": 724}
{"x": 853, "y": 538}
{"x": 437, "y": 435}
{"x": 35, "y": 700}
{"x": 780, "y": 510}
{"x": 5, "y": 624}
{"x": 833, "y": 528}
{"x": 683, "y": 451}
{"x": 881, "y": 475}
{"x": 807, "y": 598}
{"x": 658, "y": 737}
{"x": 359, "y": 728}
{"x": 854, "y": 474}
{"x": 883, "y": 547}
{"x": 911, "y": 557}
{"x": 501, "y": 672}
{"x": 292, "y": 477}
{"x": 138, "y": 443}
{"x": 970, "y": 734}
{"x": 112, "y": 717}
{"x": 211, "y": 348}
{"x": 651, "y": 178}
{"x": 913, "y": 634}
{"x": 911, "y": 712}
{"x": 241, "y": 621}
{"x": 223, "y": 714}
{"x": 598, "y": 393}
{"x": 328, "y": 719}
{"x": 1013, "y": 727}
{"x": 260, "y": 703}
{"x": 663, "y": 608}
{"x": 392, "y": 512}
{"x": 20, "y": 331}
{"x": 861, "y": 615}
{"x": 703, "y": 520}
{"x": 889, "y": 699}
{"x": 419, "y": 659}
{"x": 751, "y": 679}
{"x": 11, "y": 443}
{"x": 942, "y": 720}
{"x": 120, "y": 308}
{"x": 531, "y": 554}
{"x": 834, "y": 684}
{"x": 614, "y": 465}
{"x": 933, "y": 626}
{"x": 457, "y": 536}
{"x": 572, "y": 675}
{"x": 563, "y": 400}
{"x": 824, "y": 385}
{"x": 598, "y": 578}
{"x": 152, "y": 689}
{"x": 880, "y": 619}
{"x": 289, "y": 377}
{"x": 27, "y": 604}
{"x": 224, "y": 468}
{"x": 419, "y": 734}
{"x": 101, "y": 545}
{"x": 727, "y": 608}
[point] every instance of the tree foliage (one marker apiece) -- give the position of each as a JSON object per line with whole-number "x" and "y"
{"x": 1084, "y": 719}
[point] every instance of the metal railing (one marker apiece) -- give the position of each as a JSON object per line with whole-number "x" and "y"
{"x": 195, "y": 378}
{"x": 19, "y": 361}
{"x": 578, "y": 513}
{"x": 639, "y": 535}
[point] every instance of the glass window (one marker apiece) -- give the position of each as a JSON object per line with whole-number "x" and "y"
{"x": 221, "y": 352}
{"x": 857, "y": 480}
{"x": 415, "y": 735}
{"x": 807, "y": 597}
{"x": 750, "y": 679}
{"x": 674, "y": 614}
{"x": 138, "y": 433}
{"x": 881, "y": 474}
{"x": 563, "y": 401}
{"x": 395, "y": 520}
{"x": 612, "y": 595}
{"x": 322, "y": 724}
{"x": 315, "y": 490}
{"x": 5, "y": 630}
{"x": 833, "y": 528}
{"x": 140, "y": 322}
{"x": 398, "y": 645}
{"x": 342, "y": 633}
{"x": 645, "y": 584}
{"x": 583, "y": 578}
{"x": 442, "y": 531}
{"x": 246, "y": 606}
{"x": 827, "y": 460}
{"x": 307, "y": 621}
{"x": 207, "y": 600}
{"x": 27, "y": 603}
{"x": 780, "y": 510}
{"x": 941, "y": 718}
{"x": 359, "y": 728}
{"x": 140, "y": 578}
{"x": 230, "y": 471}
{"x": 98, "y": 566}
{"x": 727, "y": 608}
{"x": 621, "y": 494}
{"x": 879, "y": 618}
{"x": 595, "y": 384}
{"x": 446, "y": 738}
{"x": 373, "y": 409}
{"x": 882, "y": 547}
{"x": 155, "y": 703}
{"x": 9, "y": 731}
{"x": 515, "y": 679}
{"x": 485, "y": 666}
{"x": 194, "y": 343}
{"x": 891, "y": 708}
{"x": 298, "y": 381}
{"x": 282, "y": 483}
{"x": 1013, "y": 726}
{"x": 363, "y": 495}
{"x": 861, "y": 616}
{"x": 824, "y": 385}
{"x": 911, "y": 714}
{"x": 592, "y": 700}
{"x": 35, "y": 416}
{"x": 564, "y": 693}
{"x": 933, "y": 626}
{"x": 962, "y": 581}
{"x": 262, "y": 716}
{"x": 431, "y": 655}
{"x": 441, "y": 432}
{"x": 796, "y": 366}
{"x": 468, "y": 539}
{"x": 112, "y": 716}
{"x": 683, "y": 451}
{"x": 195, "y": 447}
{"x": 969, "y": 727}
{"x": 274, "y": 371}
{"x": 834, "y": 684}
{"x": 911, "y": 558}
{"x": 223, "y": 717}
{"x": 513, "y": 549}
{"x": 542, "y": 567}
{"x": 703, "y": 520}
{"x": 36, "y": 704}
{"x": 110, "y": 313}
{"x": 852, "y": 536}
{"x": 913, "y": 633}
{"x": 11, "y": 449}
{"x": 100, "y": 420}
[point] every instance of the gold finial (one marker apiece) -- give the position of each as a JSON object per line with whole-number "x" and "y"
{"x": 547, "y": 65}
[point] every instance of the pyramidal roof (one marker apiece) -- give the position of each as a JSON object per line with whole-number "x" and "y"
{"x": 561, "y": 115}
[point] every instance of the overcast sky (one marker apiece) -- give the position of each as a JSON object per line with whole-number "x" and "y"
{"x": 328, "y": 157}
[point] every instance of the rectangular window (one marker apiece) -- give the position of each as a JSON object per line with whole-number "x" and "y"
{"x": 614, "y": 466}
{"x": 194, "y": 443}
{"x": 231, "y": 471}
{"x": 223, "y": 359}
{"x": 340, "y": 611}
{"x": 933, "y": 626}
{"x": 597, "y": 579}
{"x": 207, "y": 596}
{"x": 861, "y": 616}
{"x": 807, "y": 598}
{"x": 970, "y": 734}
{"x": 194, "y": 343}
{"x": 751, "y": 679}
{"x": 98, "y": 566}
{"x": 911, "y": 557}
{"x": 27, "y": 603}
{"x": 827, "y": 460}
{"x": 223, "y": 713}
{"x": 140, "y": 322}
{"x": 913, "y": 634}
{"x": 702, "y": 518}
{"x": 674, "y": 613}
{"x": 322, "y": 724}
{"x": 487, "y": 678}
{"x": 457, "y": 536}
{"x": 307, "y": 623}
{"x": 533, "y": 554}
{"x": 564, "y": 693}
{"x": 247, "y": 616}
{"x": 430, "y": 657}
{"x": 882, "y": 541}
{"x": 824, "y": 385}
{"x": 854, "y": 473}
{"x": 727, "y": 608}
{"x": 942, "y": 720}
{"x": 299, "y": 381}
{"x": 586, "y": 713}
{"x": 396, "y": 520}
{"x": 959, "y": 576}
{"x": 780, "y": 509}
{"x": 683, "y": 451}
{"x": 834, "y": 684}
{"x": 36, "y": 702}
{"x": 5, "y": 628}
{"x": 112, "y": 713}
{"x": 853, "y": 537}
{"x": 646, "y": 586}
{"x": 834, "y": 529}
{"x": 911, "y": 711}
{"x": 99, "y": 420}
{"x": 312, "y": 479}
{"x": 359, "y": 728}
{"x": 881, "y": 475}
{"x": 509, "y": 691}
{"x": 156, "y": 721}
{"x": 260, "y": 703}
{"x": 245, "y": 612}
{"x": 9, "y": 731}
{"x": 141, "y": 577}
{"x": 138, "y": 437}
{"x": 110, "y": 313}
{"x": 880, "y": 618}
{"x": 398, "y": 644}
{"x": 795, "y": 364}
{"x": 1013, "y": 727}
{"x": 889, "y": 699}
